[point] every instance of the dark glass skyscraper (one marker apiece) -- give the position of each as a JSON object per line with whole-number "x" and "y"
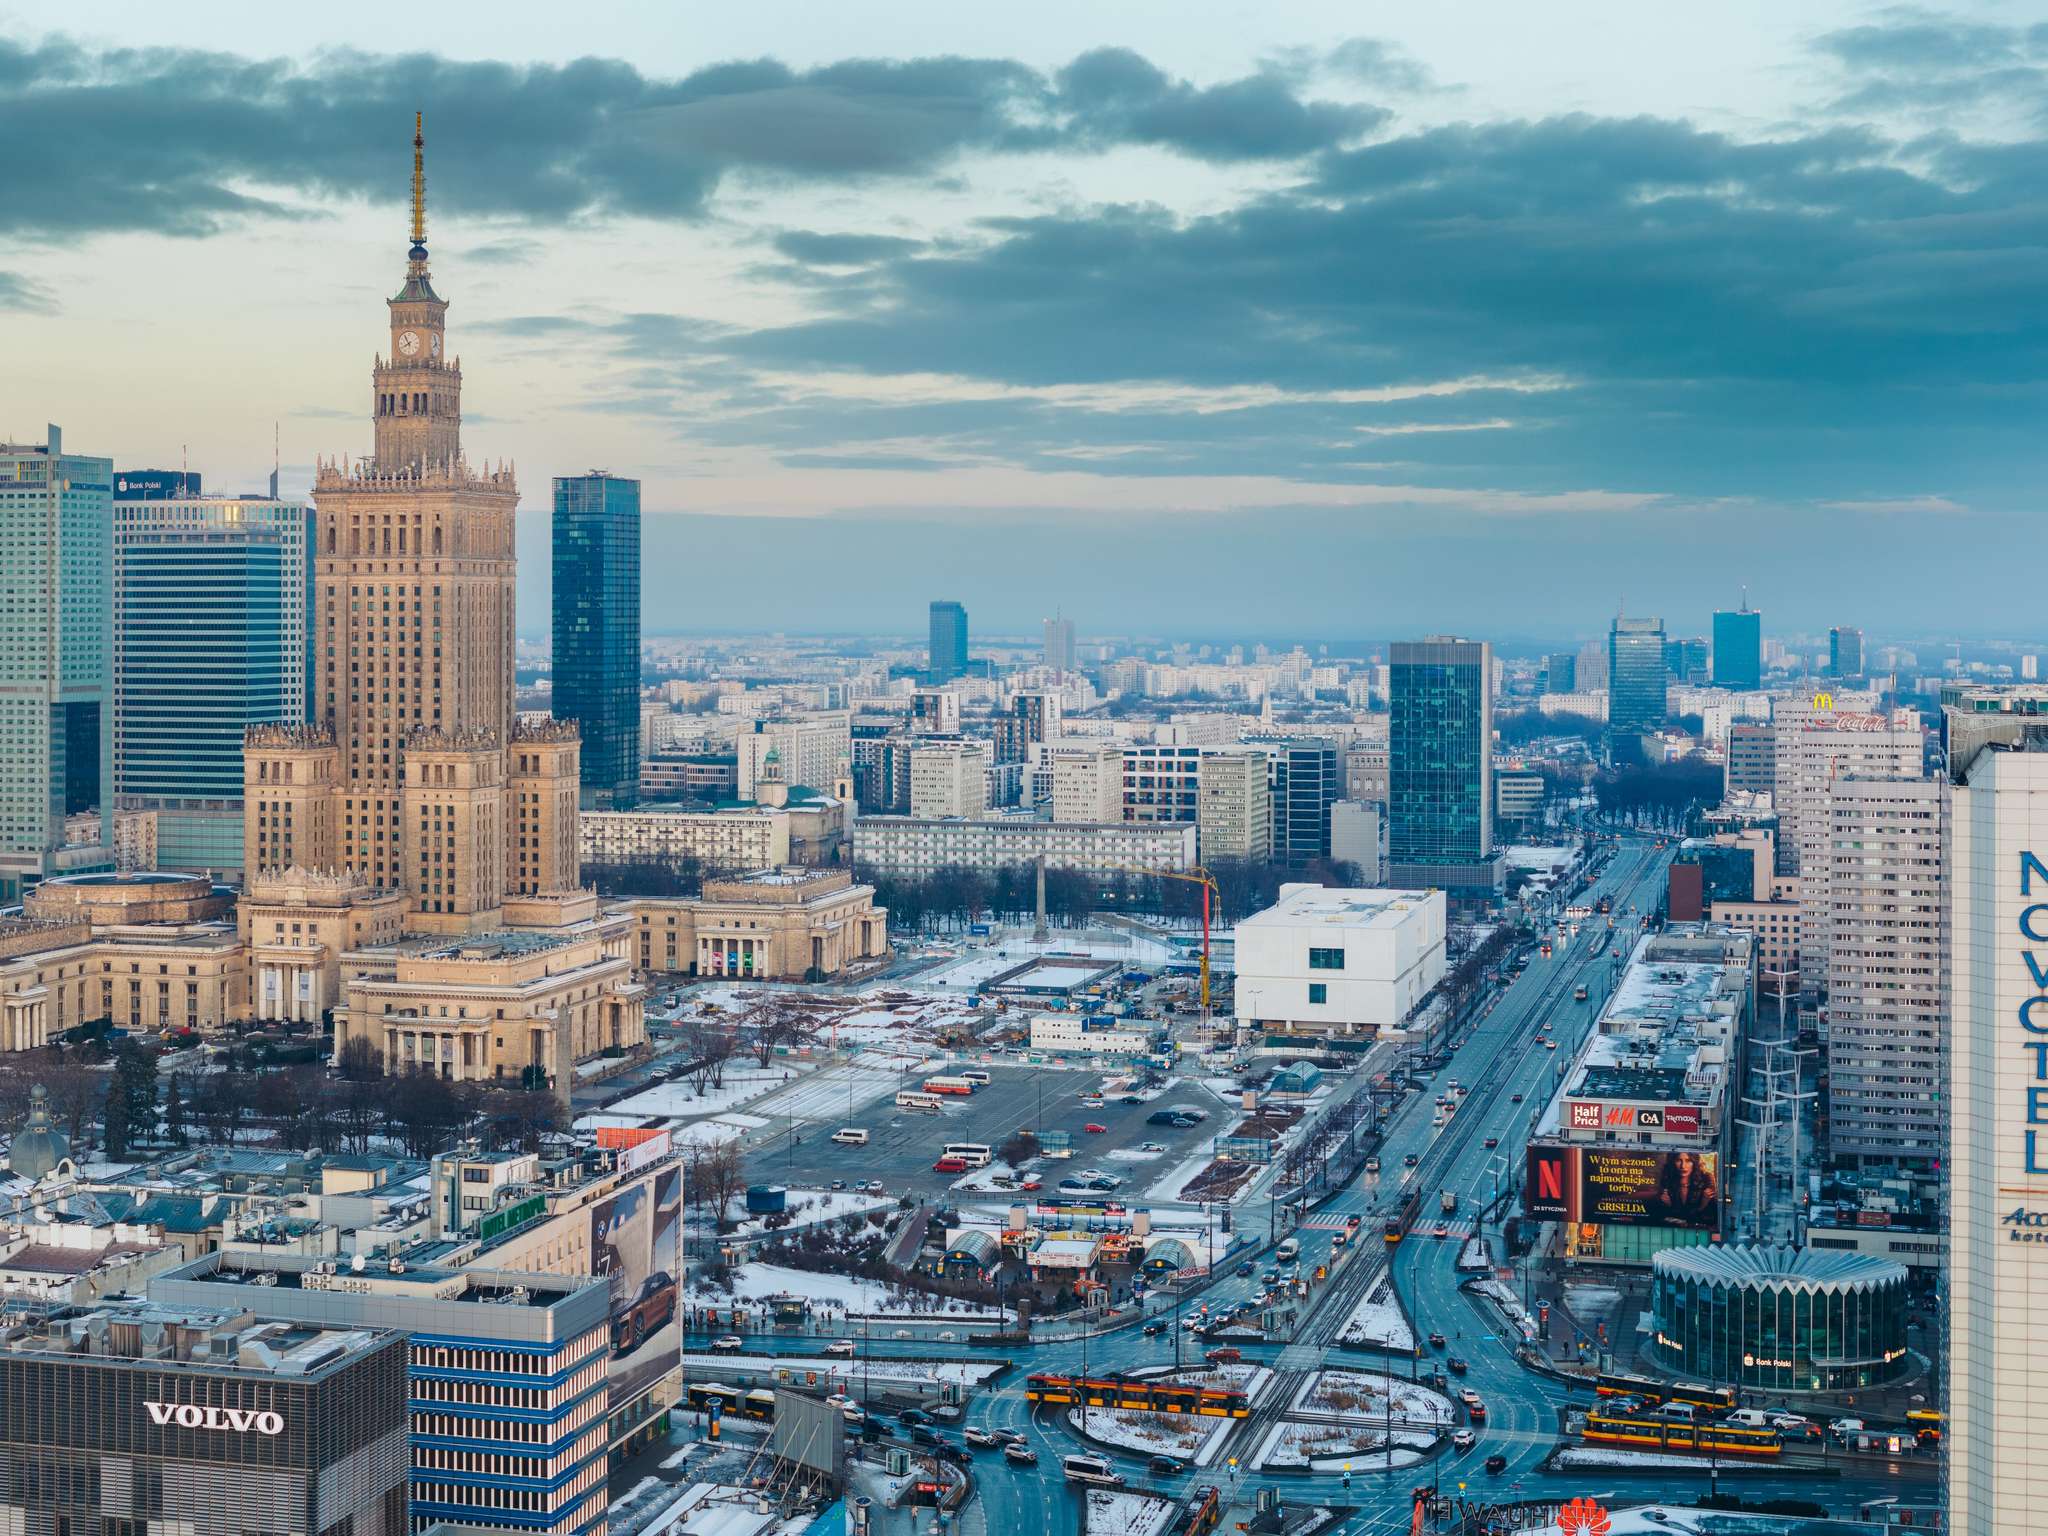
{"x": 1635, "y": 675}
{"x": 1440, "y": 765}
{"x": 1739, "y": 648}
{"x": 1845, "y": 651}
{"x": 949, "y": 642}
{"x": 597, "y": 630}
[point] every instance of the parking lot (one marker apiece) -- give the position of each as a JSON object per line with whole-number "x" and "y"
{"x": 903, "y": 1143}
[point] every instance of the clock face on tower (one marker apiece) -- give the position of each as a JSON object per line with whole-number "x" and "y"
{"x": 409, "y": 342}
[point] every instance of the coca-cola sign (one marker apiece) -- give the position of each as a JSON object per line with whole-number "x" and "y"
{"x": 193, "y": 1416}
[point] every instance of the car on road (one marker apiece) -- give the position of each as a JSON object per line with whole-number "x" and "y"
{"x": 948, "y": 1336}
{"x": 1270, "y": 1277}
{"x": 838, "y": 1184}
{"x": 1105, "y": 1183}
{"x": 1154, "y": 1328}
{"x": 957, "y": 1454}
{"x": 988, "y": 1439}
{"x": 1475, "y": 1407}
{"x": 1550, "y": 1045}
{"x": 1031, "y": 1184}
{"x": 1151, "y": 1146}
{"x": 728, "y": 1344}
{"x": 1247, "y": 1267}
{"x": 1457, "y": 1365}
{"x": 1410, "y": 1161}
{"x": 1223, "y": 1354}
{"x": 1372, "y": 1165}
{"x": 1514, "y": 1098}
{"x": 1442, "y": 1230}
{"x": 949, "y": 1165}
{"x": 1073, "y": 1185}
{"x": 913, "y": 1416}
{"x": 875, "y": 1187}
{"x": 1492, "y": 1142}
{"x": 1496, "y": 1463}
{"x": 1020, "y": 1455}
{"x": 842, "y": 1348}
{"x": 1095, "y": 1129}
{"x": 1437, "y": 1381}
{"x": 1166, "y": 1466}
{"x": 1464, "y": 1440}
{"x": 1131, "y": 1098}
{"x": 1437, "y": 1341}
{"x": 922, "y": 1434}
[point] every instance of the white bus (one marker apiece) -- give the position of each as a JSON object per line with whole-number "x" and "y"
{"x": 978, "y": 1077}
{"x": 911, "y": 1098}
{"x": 974, "y": 1154}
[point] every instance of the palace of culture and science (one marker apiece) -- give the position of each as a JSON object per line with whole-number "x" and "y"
{"x": 412, "y": 850}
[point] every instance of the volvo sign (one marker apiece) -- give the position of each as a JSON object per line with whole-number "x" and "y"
{"x": 195, "y": 1416}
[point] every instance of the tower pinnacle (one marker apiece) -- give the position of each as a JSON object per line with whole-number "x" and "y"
{"x": 419, "y": 187}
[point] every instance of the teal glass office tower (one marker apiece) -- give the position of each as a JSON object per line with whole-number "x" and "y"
{"x": 56, "y": 659}
{"x": 1440, "y": 766}
{"x": 1738, "y": 648}
{"x": 597, "y": 630}
{"x": 213, "y": 598}
{"x": 948, "y": 642}
{"x": 1636, "y": 675}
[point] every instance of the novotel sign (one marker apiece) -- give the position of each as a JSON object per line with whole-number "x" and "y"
{"x": 194, "y": 1416}
{"x": 2033, "y": 926}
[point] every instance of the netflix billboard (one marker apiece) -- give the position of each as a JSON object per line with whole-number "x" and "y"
{"x": 1625, "y": 1187}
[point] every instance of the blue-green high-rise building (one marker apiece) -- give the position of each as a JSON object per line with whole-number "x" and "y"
{"x": 1440, "y": 766}
{"x": 1739, "y": 648}
{"x": 213, "y": 598}
{"x": 56, "y": 660}
{"x": 1636, "y": 676}
{"x": 597, "y": 630}
{"x": 948, "y": 652}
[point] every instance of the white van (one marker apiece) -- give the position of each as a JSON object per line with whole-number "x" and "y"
{"x": 1750, "y": 1418}
{"x": 1092, "y": 1470}
{"x": 851, "y": 1136}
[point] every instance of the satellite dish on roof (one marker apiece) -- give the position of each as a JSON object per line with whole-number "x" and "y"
{"x": 357, "y": 1264}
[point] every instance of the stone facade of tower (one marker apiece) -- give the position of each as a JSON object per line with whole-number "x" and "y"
{"x": 405, "y": 775}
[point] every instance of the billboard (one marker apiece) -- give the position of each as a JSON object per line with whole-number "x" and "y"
{"x": 1627, "y": 1187}
{"x": 809, "y": 1435}
{"x": 635, "y": 1238}
{"x": 1595, "y": 1115}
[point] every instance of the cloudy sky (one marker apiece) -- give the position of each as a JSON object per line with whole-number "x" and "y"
{"x": 1315, "y": 319}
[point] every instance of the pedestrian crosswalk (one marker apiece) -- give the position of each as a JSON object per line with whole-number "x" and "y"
{"x": 1324, "y": 1223}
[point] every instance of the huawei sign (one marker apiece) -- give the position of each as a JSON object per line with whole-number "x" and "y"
{"x": 193, "y": 1416}
{"x": 1582, "y": 1517}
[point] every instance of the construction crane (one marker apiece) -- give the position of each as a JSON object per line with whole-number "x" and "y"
{"x": 1195, "y": 875}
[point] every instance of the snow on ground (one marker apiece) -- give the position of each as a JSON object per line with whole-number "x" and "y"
{"x": 808, "y": 1207}
{"x": 1377, "y": 1322}
{"x": 684, "y": 1100}
{"x": 1125, "y": 1514}
{"x": 842, "y": 1373}
{"x": 1336, "y": 1448}
{"x": 1182, "y": 1435}
{"x": 836, "y": 1094}
{"x": 1577, "y": 1457}
{"x": 1132, "y": 1155}
{"x": 839, "y": 1296}
{"x": 997, "y": 1178}
{"x": 1363, "y": 1394}
{"x": 1505, "y": 1298}
{"x": 717, "y": 1130}
{"x": 1008, "y": 948}
{"x": 1476, "y": 1256}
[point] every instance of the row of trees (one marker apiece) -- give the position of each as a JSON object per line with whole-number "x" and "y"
{"x": 135, "y": 1107}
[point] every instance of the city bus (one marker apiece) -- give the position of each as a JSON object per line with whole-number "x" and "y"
{"x": 974, "y": 1154}
{"x": 911, "y": 1098}
{"x": 957, "y": 1085}
{"x": 979, "y": 1078}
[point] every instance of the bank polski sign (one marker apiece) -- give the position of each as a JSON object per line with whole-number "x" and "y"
{"x": 239, "y": 1421}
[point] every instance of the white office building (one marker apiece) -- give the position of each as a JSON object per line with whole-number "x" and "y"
{"x": 1887, "y": 971}
{"x": 1073, "y": 1032}
{"x": 949, "y": 779}
{"x": 1088, "y": 782}
{"x": 1326, "y": 961}
{"x": 1997, "y": 1132}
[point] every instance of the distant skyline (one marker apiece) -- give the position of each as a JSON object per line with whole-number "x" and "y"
{"x": 1207, "y": 321}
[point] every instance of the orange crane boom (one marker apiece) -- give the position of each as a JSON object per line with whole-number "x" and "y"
{"x": 1195, "y": 876}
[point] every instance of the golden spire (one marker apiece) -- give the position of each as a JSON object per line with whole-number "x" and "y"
{"x": 419, "y": 185}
